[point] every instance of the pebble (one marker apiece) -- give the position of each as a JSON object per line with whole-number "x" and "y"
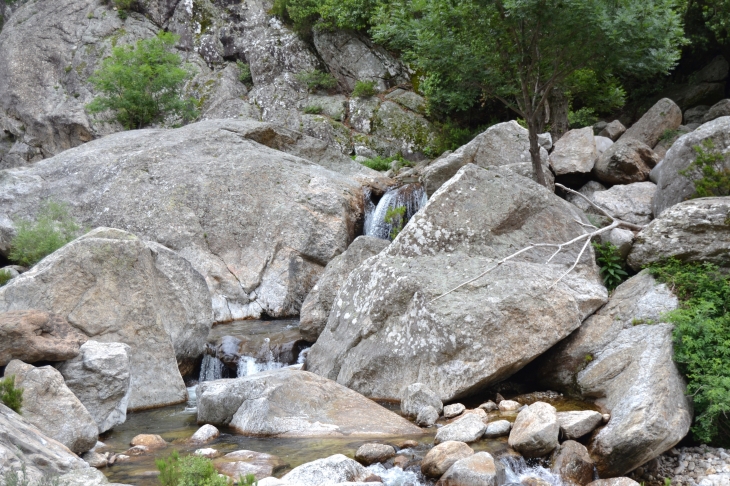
{"x": 687, "y": 466}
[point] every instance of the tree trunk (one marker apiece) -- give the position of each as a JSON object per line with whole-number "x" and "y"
{"x": 559, "y": 105}
{"x": 535, "y": 153}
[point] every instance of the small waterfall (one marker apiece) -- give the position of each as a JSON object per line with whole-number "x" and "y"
{"x": 210, "y": 369}
{"x": 517, "y": 470}
{"x": 411, "y": 196}
{"x": 249, "y": 366}
{"x": 396, "y": 476}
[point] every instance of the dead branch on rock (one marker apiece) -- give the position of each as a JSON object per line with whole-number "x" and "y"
{"x": 615, "y": 223}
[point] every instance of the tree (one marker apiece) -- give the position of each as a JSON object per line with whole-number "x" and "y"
{"x": 143, "y": 84}
{"x": 520, "y": 51}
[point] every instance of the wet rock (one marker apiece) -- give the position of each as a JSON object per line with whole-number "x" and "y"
{"x": 672, "y": 186}
{"x": 469, "y": 428}
{"x": 151, "y": 441}
{"x": 317, "y": 305}
{"x": 479, "y": 469}
{"x": 453, "y": 410}
{"x": 208, "y": 453}
{"x": 427, "y": 416}
{"x": 575, "y": 152}
{"x": 488, "y": 406}
{"x": 509, "y": 405}
{"x": 117, "y": 288}
{"x": 52, "y": 407}
{"x": 411, "y": 338}
{"x": 331, "y": 470}
{"x": 439, "y": 459}
{"x": 94, "y": 459}
{"x": 691, "y": 231}
{"x": 573, "y": 463}
{"x": 499, "y": 428}
{"x": 205, "y": 434}
{"x": 721, "y": 108}
{"x": 239, "y": 464}
{"x": 33, "y": 335}
{"x": 664, "y": 115}
{"x": 626, "y": 161}
{"x": 613, "y": 130}
{"x": 535, "y": 431}
{"x": 289, "y": 403}
{"x": 416, "y": 397}
{"x": 368, "y": 454}
{"x": 622, "y": 481}
{"x": 629, "y": 202}
{"x": 574, "y": 425}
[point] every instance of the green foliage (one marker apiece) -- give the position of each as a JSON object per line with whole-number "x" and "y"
{"x": 248, "y": 480}
{"x": 304, "y": 15}
{"x": 364, "y": 89}
{"x": 10, "y": 396}
{"x": 612, "y": 267}
{"x": 668, "y": 135}
{"x": 584, "y": 117}
{"x": 701, "y": 346}
{"x": 143, "y": 84}
{"x": 188, "y": 471}
{"x": 4, "y": 277}
{"x": 313, "y": 109}
{"x": 450, "y": 136}
{"x": 244, "y": 73}
{"x": 33, "y": 241}
{"x": 712, "y": 165}
{"x": 383, "y": 164}
{"x": 316, "y": 80}
{"x": 12, "y": 478}
{"x": 395, "y": 217}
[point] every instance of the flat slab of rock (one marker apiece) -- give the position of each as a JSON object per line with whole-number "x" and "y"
{"x": 454, "y": 345}
{"x": 33, "y": 335}
{"x": 574, "y": 425}
{"x": 479, "y": 469}
{"x": 535, "y": 431}
{"x": 290, "y": 403}
{"x": 575, "y": 152}
{"x": 439, "y": 459}
{"x": 52, "y": 407}
{"x": 331, "y": 470}
{"x": 469, "y": 428}
{"x": 691, "y": 231}
{"x": 629, "y": 202}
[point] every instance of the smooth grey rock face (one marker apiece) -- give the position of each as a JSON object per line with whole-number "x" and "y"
{"x": 672, "y": 187}
{"x": 535, "y": 431}
{"x": 290, "y": 403}
{"x": 111, "y": 285}
{"x": 23, "y": 443}
{"x": 257, "y": 223}
{"x": 626, "y": 161}
{"x": 644, "y": 391}
{"x": 721, "y": 108}
{"x": 588, "y": 190}
{"x": 664, "y": 115}
{"x": 317, "y": 305}
{"x": 371, "y": 453}
{"x": 505, "y": 144}
{"x": 384, "y": 331}
{"x": 439, "y": 459}
{"x": 32, "y": 335}
{"x": 629, "y": 202}
{"x": 694, "y": 231}
{"x": 602, "y": 144}
{"x": 574, "y": 425}
{"x": 469, "y": 428}
{"x": 427, "y": 416}
{"x": 499, "y": 428}
{"x": 100, "y": 378}
{"x": 573, "y": 463}
{"x": 52, "y": 407}
{"x": 417, "y": 396}
{"x": 479, "y": 469}
{"x": 613, "y": 130}
{"x": 409, "y": 99}
{"x": 575, "y": 152}
{"x": 331, "y": 470}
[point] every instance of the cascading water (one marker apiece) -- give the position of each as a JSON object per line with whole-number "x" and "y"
{"x": 518, "y": 470}
{"x": 211, "y": 368}
{"x": 396, "y": 476}
{"x": 411, "y": 196}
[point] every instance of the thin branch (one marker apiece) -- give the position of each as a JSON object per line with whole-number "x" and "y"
{"x": 625, "y": 224}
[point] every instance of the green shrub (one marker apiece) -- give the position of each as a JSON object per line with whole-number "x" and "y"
{"x": 143, "y": 84}
{"x": 710, "y": 163}
{"x": 381, "y": 164}
{"x": 244, "y": 73}
{"x": 10, "y": 396}
{"x": 449, "y": 136}
{"x": 701, "y": 345}
{"x": 189, "y": 471}
{"x": 612, "y": 267}
{"x": 396, "y": 217}
{"x": 669, "y": 134}
{"x": 585, "y": 117}
{"x": 248, "y": 480}
{"x": 33, "y": 241}
{"x": 316, "y": 79}
{"x": 4, "y": 277}
{"x": 313, "y": 110}
{"x": 364, "y": 89}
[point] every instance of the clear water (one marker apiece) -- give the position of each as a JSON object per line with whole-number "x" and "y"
{"x": 518, "y": 470}
{"x": 412, "y": 197}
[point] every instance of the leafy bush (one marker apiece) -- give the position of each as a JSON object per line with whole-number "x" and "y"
{"x": 304, "y": 15}
{"x": 364, "y": 89}
{"x": 189, "y": 471}
{"x": 701, "y": 346}
{"x": 396, "y": 218}
{"x": 585, "y": 117}
{"x": 316, "y": 80}
{"x": 4, "y": 277}
{"x": 381, "y": 164}
{"x": 313, "y": 110}
{"x": 248, "y": 480}
{"x": 715, "y": 180}
{"x": 612, "y": 267}
{"x": 668, "y": 135}
{"x": 10, "y": 396}
{"x": 244, "y": 73}
{"x": 35, "y": 240}
{"x": 143, "y": 84}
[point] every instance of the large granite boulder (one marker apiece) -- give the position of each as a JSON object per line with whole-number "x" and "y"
{"x": 628, "y": 202}
{"x": 52, "y": 407}
{"x": 316, "y": 307}
{"x": 664, "y": 115}
{"x": 33, "y": 335}
{"x": 575, "y": 152}
{"x": 536, "y": 430}
{"x": 694, "y": 231}
{"x": 257, "y": 222}
{"x": 505, "y": 144}
{"x": 626, "y": 161}
{"x": 672, "y": 186}
{"x": 479, "y": 469}
{"x": 386, "y": 331}
{"x": 100, "y": 377}
{"x": 291, "y": 403}
{"x": 330, "y": 470}
{"x": 113, "y": 286}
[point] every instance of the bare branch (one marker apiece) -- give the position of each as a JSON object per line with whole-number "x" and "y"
{"x": 624, "y": 224}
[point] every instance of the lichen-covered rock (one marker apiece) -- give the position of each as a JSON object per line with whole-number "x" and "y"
{"x": 695, "y": 231}
{"x": 33, "y": 335}
{"x": 535, "y": 431}
{"x": 575, "y": 152}
{"x": 389, "y": 332}
{"x": 417, "y": 396}
{"x": 52, "y": 407}
{"x": 331, "y": 470}
{"x": 588, "y": 190}
{"x": 439, "y": 459}
{"x": 628, "y": 202}
{"x": 479, "y": 469}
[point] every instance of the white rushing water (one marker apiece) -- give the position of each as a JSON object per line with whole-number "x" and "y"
{"x": 517, "y": 470}
{"x": 412, "y": 197}
{"x": 210, "y": 369}
{"x": 396, "y": 476}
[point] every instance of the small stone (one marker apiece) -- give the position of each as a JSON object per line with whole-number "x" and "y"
{"x": 95, "y": 459}
{"x": 373, "y": 478}
{"x": 121, "y": 458}
{"x": 576, "y": 424}
{"x": 371, "y": 453}
{"x": 400, "y": 461}
{"x": 498, "y": 398}
{"x": 407, "y": 444}
{"x": 453, "y": 410}
{"x": 152, "y": 441}
{"x": 500, "y": 428}
{"x": 489, "y": 406}
{"x": 443, "y": 456}
{"x": 427, "y": 417}
{"x": 606, "y": 417}
{"x": 208, "y": 452}
{"x": 205, "y": 434}
{"x": 137, "y": 450}
{"x": 509, "y": 406}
